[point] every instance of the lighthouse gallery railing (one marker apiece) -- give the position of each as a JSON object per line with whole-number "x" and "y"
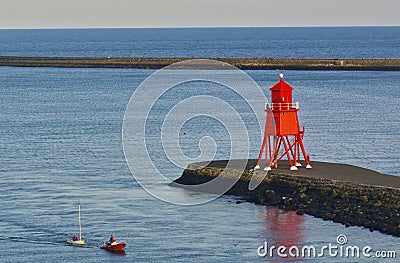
{"x": 282, "y": 106}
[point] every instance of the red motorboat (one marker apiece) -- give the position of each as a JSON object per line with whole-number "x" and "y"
{"x": 114, "y": 246}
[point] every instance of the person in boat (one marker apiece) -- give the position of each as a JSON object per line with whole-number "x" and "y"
{"x": 74, "y": 238}
{"x": 112, "y": 240}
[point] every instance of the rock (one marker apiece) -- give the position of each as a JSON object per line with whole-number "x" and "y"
{"x": 300, "y": 212}
{"x": 270, "y": 194}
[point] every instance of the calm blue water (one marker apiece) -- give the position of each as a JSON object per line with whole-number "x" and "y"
{"x": 61, "y": 140}
{"x": 359, "y": 42}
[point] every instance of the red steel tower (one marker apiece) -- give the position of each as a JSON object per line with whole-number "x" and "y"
{"x": 282, "y": 130}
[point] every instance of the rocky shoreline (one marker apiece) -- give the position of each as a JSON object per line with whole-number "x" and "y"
{"x": 349, "y": 203}
{"x": 377, "y": 64}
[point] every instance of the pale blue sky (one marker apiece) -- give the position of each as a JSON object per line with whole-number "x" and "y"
{"x": 196, "y": 13}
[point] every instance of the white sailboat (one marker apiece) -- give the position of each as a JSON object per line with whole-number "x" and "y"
{"x": 75, "y": 240}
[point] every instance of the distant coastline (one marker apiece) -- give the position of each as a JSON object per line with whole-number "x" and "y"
{"x": 354, "y": 64}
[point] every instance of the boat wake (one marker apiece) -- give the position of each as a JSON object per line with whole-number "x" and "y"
{"x": 47, "y": 242}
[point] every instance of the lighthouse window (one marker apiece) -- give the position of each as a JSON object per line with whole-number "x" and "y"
{"x": 283, "y": 98}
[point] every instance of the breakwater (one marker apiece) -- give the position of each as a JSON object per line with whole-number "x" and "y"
{"x": 392, "y": 64}
{"x": 341, "y": 193}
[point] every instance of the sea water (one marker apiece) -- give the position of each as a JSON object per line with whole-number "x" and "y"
{"x": 61, "y": 140}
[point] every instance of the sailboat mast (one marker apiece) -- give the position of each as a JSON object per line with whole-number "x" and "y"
{"x": 79, "y": 220}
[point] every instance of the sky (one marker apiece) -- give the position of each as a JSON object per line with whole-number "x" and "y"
{"x": 196, "y": 13}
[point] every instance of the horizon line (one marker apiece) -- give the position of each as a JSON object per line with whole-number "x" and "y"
{"x": 195, "y": 27}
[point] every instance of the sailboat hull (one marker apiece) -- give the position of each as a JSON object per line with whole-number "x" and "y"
{"x": 76, "y": 242}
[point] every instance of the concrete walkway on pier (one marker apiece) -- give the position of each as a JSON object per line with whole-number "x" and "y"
{"x": 331, "y": 171}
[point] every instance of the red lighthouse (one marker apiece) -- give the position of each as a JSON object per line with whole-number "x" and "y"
{"x": 282, "y": 132}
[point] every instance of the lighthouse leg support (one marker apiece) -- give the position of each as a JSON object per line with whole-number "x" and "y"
{"x": 291, "y": 148}
{"x": 287, "y": 149}
{"x": 308, "y": 165}
{"x": 266, "y": 150}
{"x": 298, "y": 163}
{"x": 260, "y": 154}
{"x": 273, "y": 160}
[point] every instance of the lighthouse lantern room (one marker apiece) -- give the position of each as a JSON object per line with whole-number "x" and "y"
{"x": 282, "y": 134}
